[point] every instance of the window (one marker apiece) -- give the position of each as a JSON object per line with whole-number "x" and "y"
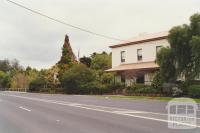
{"x": 123, "y": 78}
{"x": 140, "y": 79}
{"x": 123, "y": 56}
{"x": 158, "y": 48}
{"x": 139, "y": 54}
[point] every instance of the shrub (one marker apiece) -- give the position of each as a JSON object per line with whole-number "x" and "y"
{"x": 141, "y": 88}
{"x": 116, "y": 87}
{"x": 37, "y": 84}
{"x": 194, "y": 91}
{"x": 107, "y": 78}
{"x": 146, "y": 90}
{"x": 78, "y": 78}
{"x": 184, "y": 87}
{"x": 176, "y": 92}
{"x": 157, "y": 82}
{"x": 167, "y": 88}
{"x": 93, "y": 88}
{"x": 44, "y": 90}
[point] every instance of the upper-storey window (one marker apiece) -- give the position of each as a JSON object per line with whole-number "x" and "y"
{"x": 139, "y": 54}
{"x": 123, "y": 56}
{"x": 158, "y": 48}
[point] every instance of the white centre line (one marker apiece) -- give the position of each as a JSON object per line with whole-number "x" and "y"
{"x": 25, "y": 109}
{"x": 57, "y": 120}
{"x": 130, "y": 112}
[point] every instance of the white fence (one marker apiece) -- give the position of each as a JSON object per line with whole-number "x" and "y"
{"x": 14, "y": 89}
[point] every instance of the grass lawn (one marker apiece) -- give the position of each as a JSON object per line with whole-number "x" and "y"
{"x": 142, "y": 98}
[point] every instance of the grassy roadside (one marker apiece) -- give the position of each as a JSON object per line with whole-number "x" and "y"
{"x": 142, "y": 98}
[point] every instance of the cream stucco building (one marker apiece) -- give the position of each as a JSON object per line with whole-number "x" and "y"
{"x": 134, "y": 61}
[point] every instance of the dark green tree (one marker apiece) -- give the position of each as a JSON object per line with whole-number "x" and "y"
{"x": 76, "y": 78}
{"x": 165, "y": 59}
{"x": 65, "y": 58}
{"x": 182, "y": 58}
{"x": 5, "y": 65}
{"x": 86, "y": 60}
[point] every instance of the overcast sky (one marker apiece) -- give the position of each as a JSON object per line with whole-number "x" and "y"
{"x": 36, "y": 41}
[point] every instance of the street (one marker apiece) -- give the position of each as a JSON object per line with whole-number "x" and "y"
{"x": 56, "y": 113}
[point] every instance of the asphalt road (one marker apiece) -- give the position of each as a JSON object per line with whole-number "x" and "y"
{"x": 44, "y": 113}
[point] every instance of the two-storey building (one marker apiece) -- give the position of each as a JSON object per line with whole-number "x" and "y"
{"x": 134, "y": 61}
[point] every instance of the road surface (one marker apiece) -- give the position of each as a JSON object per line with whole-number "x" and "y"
{"x": 45, "y": 113}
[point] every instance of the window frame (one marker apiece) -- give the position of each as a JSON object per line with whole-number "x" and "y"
{"x": 160, "y": 46}
{"x": 139, "y": 57}
{"x": 123, "y": 56}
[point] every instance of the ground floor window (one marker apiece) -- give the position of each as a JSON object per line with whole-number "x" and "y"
{"x": 140, "y": 79}
{"x": 123, "y": 78}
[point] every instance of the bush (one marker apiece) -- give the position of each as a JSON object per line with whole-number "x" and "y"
{"x": 176, "y": 92}
{"x": 184, "y": 87}
{"x": 141, "y": 88}
{"x": 93, "y": 88}
{"x": 157, "y": 82}
{"x": 116, "y": 87}
{"x": 194, "y": 91}
{"x": 37, "y": 84}
{"x": 107, "y": 78}
{"x": 146, "y": 90}
{"x": 78, "y": 79}
{"x": 167, "y": 88}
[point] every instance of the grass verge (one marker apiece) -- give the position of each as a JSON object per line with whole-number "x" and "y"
{"x": 142, "y": 98}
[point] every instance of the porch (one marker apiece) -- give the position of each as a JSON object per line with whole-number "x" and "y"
{"x": 142, "y": 72}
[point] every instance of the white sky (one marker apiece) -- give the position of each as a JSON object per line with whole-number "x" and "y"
{"x": 36, "y": 41}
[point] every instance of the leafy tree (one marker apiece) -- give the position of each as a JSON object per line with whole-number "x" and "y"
{"x": 5, "y": 65}
{"x": 182, "y": 58}
{"x": 101, "y": 61}
{"x": 2, "y": 76}
{"x": 4, "y": 80}
{"x": 165, "y": 60}
{"x": 51, "y": 76}
{"x": 86, "y": 60}
{"x": 38, "y": 83}
{"x": 157, "y": 82}
{"x": 15, "y": 65}
{"x": 77, "y": 77}
{"x": 107, "y": 78}
{"x": 195, "y": 43}
{"x": 20, "y": 80}
{"x": 179, "y": 39}
{"x": 7, "y": 81}
{"x": 67, "y": 59}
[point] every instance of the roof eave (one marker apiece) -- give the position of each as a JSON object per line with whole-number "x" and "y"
{"x": 138, "y": 42}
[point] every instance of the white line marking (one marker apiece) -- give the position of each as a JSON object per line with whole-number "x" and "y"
{"x": 129, "y": 112}
{"x": 92, "y": 107}
{"x": 73, "y": 104}
{"x": 25, "y": 109}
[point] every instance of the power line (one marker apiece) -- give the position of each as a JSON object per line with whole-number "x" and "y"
{"x": 64, "y": 23}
